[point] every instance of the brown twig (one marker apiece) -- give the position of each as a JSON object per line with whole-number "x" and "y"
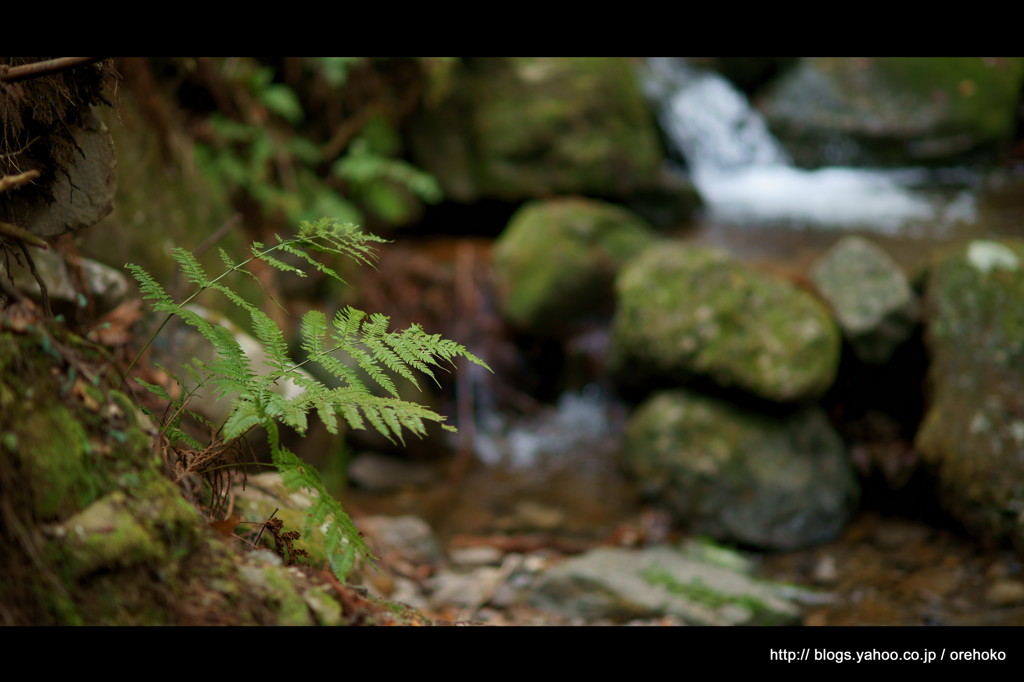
{"x": 36, "y": 69}
{"x": 344, "y": 134}
{"x": 217, "y": 235}
{"x": 264, "y": 526}
{"x": 47, "y": 310}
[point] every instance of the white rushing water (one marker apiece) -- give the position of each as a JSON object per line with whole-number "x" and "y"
{"x": 570, "y": 434}
{"x": 745, "y": 176}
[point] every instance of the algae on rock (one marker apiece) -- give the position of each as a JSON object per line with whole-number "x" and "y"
{"x": 685, "y": 310}
{"x": 556, "y": 260}
{"x": 973, "y": 431}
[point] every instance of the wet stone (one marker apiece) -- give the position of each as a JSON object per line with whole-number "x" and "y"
{"x": 380, "y": 473}
{"x": 870, "y": 296}
{"x": 408, "y": 537}
{"x": 768, "y": 481}
{"x": 624, "y": 585}
{"x": 475, "y": 556}
{"x": 1005, "y": 593}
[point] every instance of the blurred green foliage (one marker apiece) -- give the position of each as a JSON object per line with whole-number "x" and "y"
{"x": 270, "y": 152}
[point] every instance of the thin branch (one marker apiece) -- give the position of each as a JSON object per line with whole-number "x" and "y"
{"x": 26, "y": 71}
{"x": 344, "y": 134}
{"x": 217, "y": 235}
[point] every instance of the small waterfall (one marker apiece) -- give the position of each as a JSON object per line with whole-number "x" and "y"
{"x": 745, "y": 175}
{"x": 580, "y": 432}
{"x": 710, "y": 121}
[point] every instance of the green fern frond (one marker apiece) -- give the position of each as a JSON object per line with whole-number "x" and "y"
{"x": 314, "y": 333}
{"x": 288, "y": 247}
{"x": 150, "y": 288}
{"x": 233, "y": 297}
{"x": 382, "y": 348}
{"x": 271, "y": 339}
{"x": 243, "y": 417}
{"x": 225, "y": 258}
{"x": 197, "y": 322}
{"x": 158, "y": 391}
{"x": 379, "y": 353}
{"x": 369, "y": 365}
{"x": 191, "y": 267}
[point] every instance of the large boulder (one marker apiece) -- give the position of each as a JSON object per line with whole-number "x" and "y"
{"x": 556, "y": 260}
{"x": 973, "y": 432}
{"x": 773, "y": 482}
{"x": 900, "y": 110}
{"x": 522, "y": 127}
{"x": 685, "y": 310}
{"x": 870, "y": 296}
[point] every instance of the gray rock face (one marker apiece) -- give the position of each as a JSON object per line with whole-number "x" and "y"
{"x": 686, "y": 310}
{"x": 861, "y": 110}
{"x": 739, "y": 476}
{"x": 556, "y": 260}
{"x": 108, "y": 286}
{"x": 870, "y": 296}
{"x": 973, "y": 432}
{"x": 621, "y": 584}
{"x": 84, "y": 196}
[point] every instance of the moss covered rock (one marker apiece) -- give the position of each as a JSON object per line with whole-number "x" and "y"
{"x": 556, "y": 260}
{"x": 72, "y": 440}
{"x": 522, "y": 127}
{"x": 899, "y": 110}
{"x": 94, "y": 532}
{"x": 621, "y": 584}
{"x": 685, "y": 310}
{"x": 973, "y": 432}
{"x": 740, "y": 476}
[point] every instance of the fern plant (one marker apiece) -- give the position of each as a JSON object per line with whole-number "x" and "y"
{"x": 385, "y": 356}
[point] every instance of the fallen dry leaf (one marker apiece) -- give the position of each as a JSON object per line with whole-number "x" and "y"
{"x": 227, "y": 526}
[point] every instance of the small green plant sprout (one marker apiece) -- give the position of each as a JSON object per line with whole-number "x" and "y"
{"x": 385, "y": 356}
